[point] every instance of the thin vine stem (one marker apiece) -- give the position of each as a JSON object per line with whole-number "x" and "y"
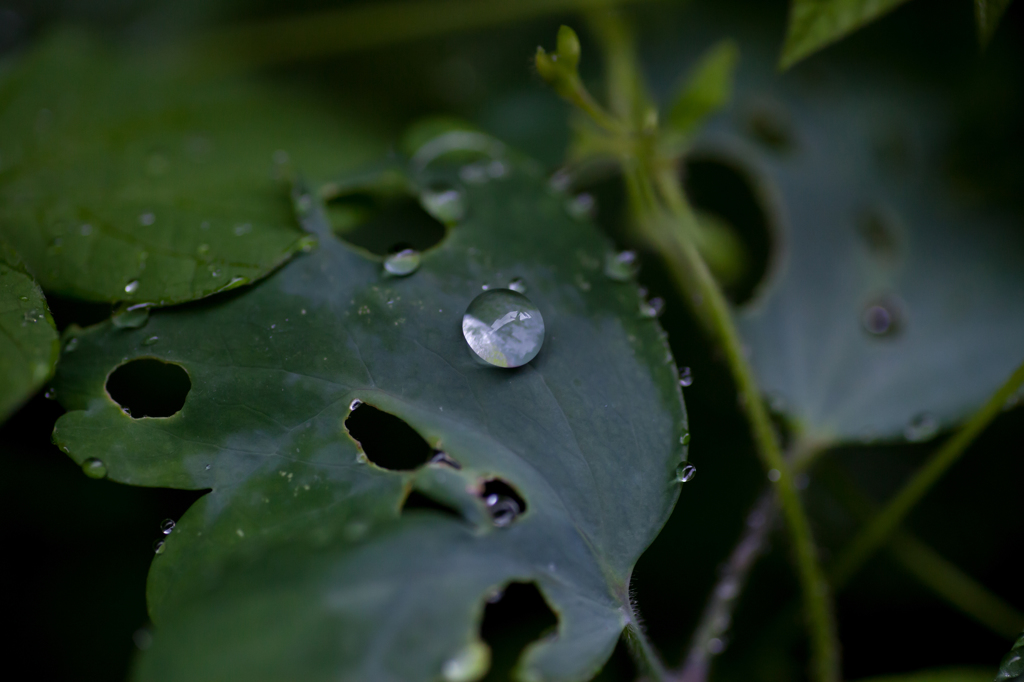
{"x": 694, "y": 278}
{"x": 874, "y": 534}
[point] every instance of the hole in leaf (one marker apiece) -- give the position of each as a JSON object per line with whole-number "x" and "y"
{"x": 504, "y": 504}
{"x": 512, "y": 620}
{"x": 384, "y": 224}
{"x": 730, "y": 204}
{"x": 417, "y": 500}
{"x": 388, "y": 441}
{"x": 149, "y": 388}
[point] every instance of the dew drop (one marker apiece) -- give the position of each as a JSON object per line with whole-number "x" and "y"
{"x": 94, "y": 468}
{"x": 31, "y": 317}
{"x": 71, "y": 344}
{"x": 503, "y": 509}
{"x": 921, "y": 428}
{"x": 131, "y": 287}
{"x": 503, "y": 328}
{"x": 403, "y": 263}
{"x": 467, "y": 665}
{"x": 652, "y": 308}
{"x": 159, "y": 546}
{"x": 86, "y": 230}
{"x": 308, "y": 243}
{"x": 150, "y": 341}
{"x": 131, "y": 316}
{"x": 51, "y": 394}
{"x": 447, "y": 205}
{"x": 442, "y": 458}
{"x": 685, "y": 473}
{"x": 581, "y": 206}
{"x": 166, "y": 526}
{"x": 684, "y": 439}
{"x": 354, "y": 404}
{"x": 621, "y": 266}
{"x": 518, "y": 285}
{"x": 242, "y": 229}
{"x": 147, "y": 219}
{"x": 685, "y": 377}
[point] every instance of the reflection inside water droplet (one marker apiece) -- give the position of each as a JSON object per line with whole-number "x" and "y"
{"x": 685, "y": 473}
{"x": 921, "y": 428}
{"x": 403, "y": 263}
{"x": 503, "y": 328}
{"x": 94, "y": 468}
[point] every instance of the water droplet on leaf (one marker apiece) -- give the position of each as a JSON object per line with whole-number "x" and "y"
{"x": 447, "y": 205}
{"x": 621, "y": 267}
{"x": 685, "y": 473}
{"x": 354, "y": 404}
{"x": 94, "y": 468}
{"x": 581, "y": 206}
{"x": 131, "y": 316}
{"x": 131, "y": 287}
{"x": 503, "y": 328}
{"x": 684, "y": 439}
{"x": 158, "y": 547}
{"x": 685, "y": 377}
{"x": 652, "y": 308}
{"x": 467, "y": 665}
{"x": 921, "y": 428}
{"x": 150, "y": 341}
{"x": 403, "y": 263}
{"x": 166, "y": 526}
{"x": 518, "y": 285}
{"x": 147, "y": 219}
{"x": 51, "y": 394}
{"x": 503, "y": 509}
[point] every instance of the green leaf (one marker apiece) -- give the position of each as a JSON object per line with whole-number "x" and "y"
{"x": 121, "y": 180}
{"x": 988, "y": 13}
{"x": 940, "y": 675}
{"x": 28, "y": 337}
{"x": 299, "y": 564}
{"x": 1011, "y": 669}
{"x": 897, "y": 306}
{"x": 705, "y": 90}
{"x": 813, "y": 24}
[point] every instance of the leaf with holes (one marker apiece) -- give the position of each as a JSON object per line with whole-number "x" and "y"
{"x": 28, "y": 338}
{"x": 896, "y": 307}
{"x": 813, "y": 24}
{"x": 123, "y": 181}
{"x": 301, "y": 562}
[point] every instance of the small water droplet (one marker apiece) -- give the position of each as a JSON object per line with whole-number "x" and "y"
{"x": 621, "y": 267}
{"x": 354, "y": 404}
{"x": 581, "y": 206}
{"x": 203, "y": 250}
{"x": 166, "y": 526}
{"x": 467, "y": 665}
{"x": 94, "y": 468}
{"x": 150, "y": 341}
{"x": 443, "y": 459}
{"x": 883, "y": 317}
{"x": 685, "y": 377}
{"x": 242, "y": 229}
{"x": 503, "y": 509}
{"x": 446, "y": 204}
{"x": 71, "y": 344}
{"x": 51, "y": 394}
{"x": 308, "y": 243}
{"x": 85, "y": 230}
{"x": 303, "y": 204}
{"x": 147, "y": 219}
{"x": 652, "y": 308}
{"x": 503, "y": 328}
{"x": 131, "y": 287}
{"x": 31, "y": 317}
{"x": 518, "y": 285}
{"x": 159, "y": 546}
{"x": 685, "y": 473}
{"x": 774, "y": 475}
{"x": 715, "y": 646}
{"x": 131, "y": 316}
{"x": 921, "y": 428}
{"x": 403, "y": 263}
{"x": 234, "y": 283}
{"x": 684, "y": 439}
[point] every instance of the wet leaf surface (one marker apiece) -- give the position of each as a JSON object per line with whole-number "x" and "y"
{"x": 28, "y": 338}
{"x": 299, "y": 564}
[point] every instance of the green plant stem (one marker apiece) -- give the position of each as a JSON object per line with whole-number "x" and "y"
{"x": 644, "y": 654}
{"x": 365, "y": 25}
{"x": 694, "y": 278}
{"x": 875, "y": 533}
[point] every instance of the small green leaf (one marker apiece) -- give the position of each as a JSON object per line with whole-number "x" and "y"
{"x": 299, "y": 563}
{"x": 122, "y": 180}
{"x": 28, "y": 339}
{"x": 706, "y": 89}
{"x": 813, "y": 24}
{"x": 1011, "y": 669}
{"x": 988, "y": 13}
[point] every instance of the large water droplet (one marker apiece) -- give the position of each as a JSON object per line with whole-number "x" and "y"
{"x": 403, "y": 263}
{"x": 685, "y": 377}
{"x": 621, "y": 267}
{"x": 503, "y": 509}
{"x": 94, "y": 468}
{"x": 131, "y": 287}
{"x": 447, "y": 205}
{"x": 503, "y": 328}
{"x": 131, "y": 316}
{"x": 166, "y": 526}
{"x": 685, "y": 473}
{"x": 922, "y": 427}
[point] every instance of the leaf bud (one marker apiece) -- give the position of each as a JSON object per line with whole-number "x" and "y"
{"x": 568, "y": 48}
